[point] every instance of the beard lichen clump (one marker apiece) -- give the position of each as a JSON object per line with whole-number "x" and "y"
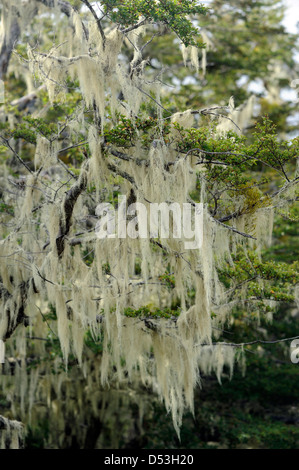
{"x": 11, "y": 434}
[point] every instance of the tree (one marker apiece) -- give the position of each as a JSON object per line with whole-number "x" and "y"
{"x": 248, "y": 54}
{"x": 100, "y": 126}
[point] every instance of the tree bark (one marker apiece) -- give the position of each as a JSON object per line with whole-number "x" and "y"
{"x": 8, "y": 41}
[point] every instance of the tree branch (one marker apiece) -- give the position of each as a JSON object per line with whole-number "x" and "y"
{"x": 10, "y": 302}
{"x": 65, "y": 7}
{"x": 98, "y": 21}
{"x": 68, "y": 207}
{"x": 257, "y": 341}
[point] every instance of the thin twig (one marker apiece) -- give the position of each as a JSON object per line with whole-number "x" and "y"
{"x": 98, "y": 21}
{"x": 249, "y": 343}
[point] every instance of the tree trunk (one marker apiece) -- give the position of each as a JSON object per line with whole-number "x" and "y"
{"x": 7, "y": 43}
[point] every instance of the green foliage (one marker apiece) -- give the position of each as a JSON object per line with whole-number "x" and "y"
{"x": 95, "y": 344}
{"x": 126, "y": 132}
{"x": 171, "y": 13}
{"x": 151, "y": 312}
